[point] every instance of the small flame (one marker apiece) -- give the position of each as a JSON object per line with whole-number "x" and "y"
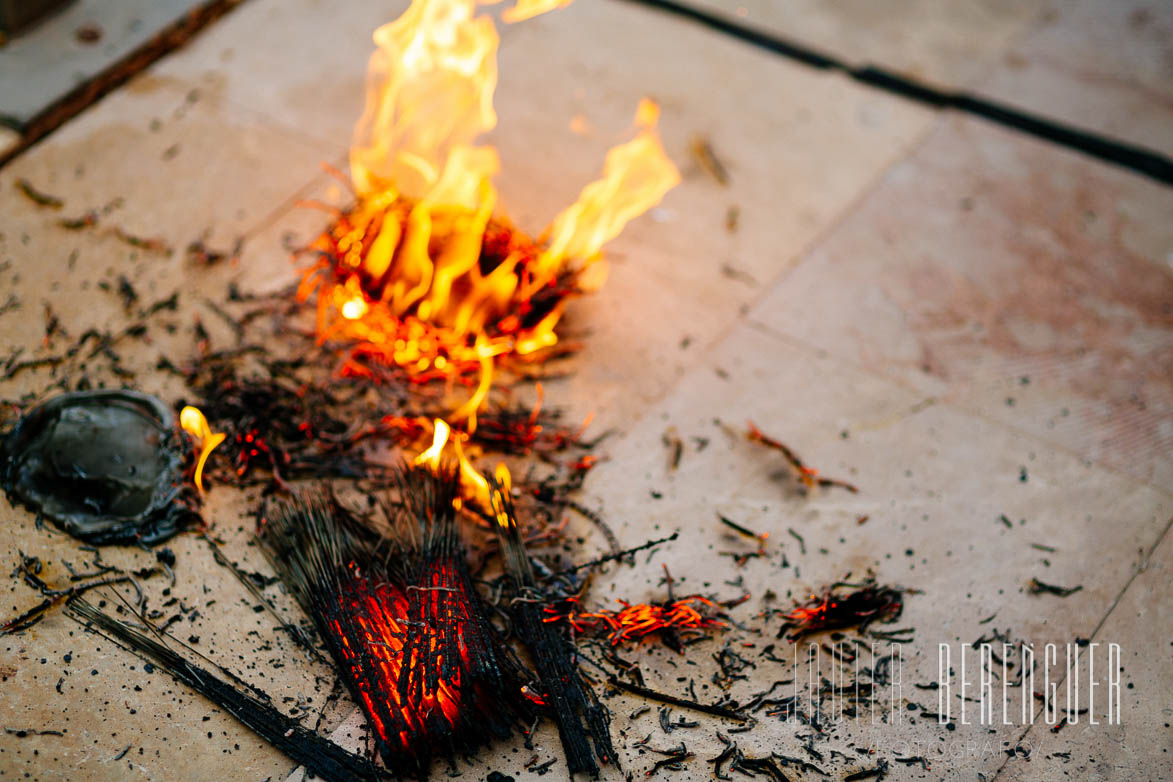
{"x": 504, "y": 485}
{"x": 636, "y": 176}
{"x": 431, "y": 457}
{"x": 195, "y": 424}
{"x": 473, "y": 485}
{"x": 527, "y": 9}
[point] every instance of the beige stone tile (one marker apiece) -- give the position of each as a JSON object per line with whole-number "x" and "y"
{"x": 59, "y": 677}
{"x": 795, "y": 163}
{"x": 155, "y": 165}
{"x": 301, "y": 64}
{"x": 1023, "y": 281}
{"x": 1104, "y": 67}
{"x": 1137, "y": 747}
{"x": 946, "y": 43}
{"x": 933, "y": 482}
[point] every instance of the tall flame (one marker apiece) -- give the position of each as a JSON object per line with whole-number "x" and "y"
{"x": 421, "y": 274}
{"x": 429, "y": 95}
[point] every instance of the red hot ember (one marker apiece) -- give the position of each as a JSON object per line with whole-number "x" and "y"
{"x": 397, "y": 610}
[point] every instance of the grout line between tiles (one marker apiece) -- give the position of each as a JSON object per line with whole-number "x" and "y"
{"x": 84, "y": 95}
{"x": 1136, "y": 158}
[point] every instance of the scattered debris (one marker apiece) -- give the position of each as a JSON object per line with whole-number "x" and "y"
{"x": 37, "y": 197}
{"x": 1037, "y": 587}
{"x": 807, "y": 475}
{"x": 706, "y": 158}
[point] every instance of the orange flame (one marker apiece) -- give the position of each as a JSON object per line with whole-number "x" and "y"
{"x": 636, "y": 176}
{"x": 429, "y": 95}
{"x": 473, "y": 484}
{"x": 431, "y": 457}
{"x": 195, "y": 424}
{"x": 421, "y": 274}
{"x": 527, "y": 9}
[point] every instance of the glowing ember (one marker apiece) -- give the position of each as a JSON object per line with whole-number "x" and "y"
{"x": 398, "y": 612}
{"x": 836, "y": 610}
{"x": 195, "y": 424}
{"x": 687, "y": 616}
{"x": 421, "y": 275}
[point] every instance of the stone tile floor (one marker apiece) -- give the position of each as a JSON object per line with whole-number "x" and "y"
{"x": 966, "y": 323}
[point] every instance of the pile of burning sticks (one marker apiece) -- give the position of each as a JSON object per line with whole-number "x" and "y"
{"x": 444, "y": 625}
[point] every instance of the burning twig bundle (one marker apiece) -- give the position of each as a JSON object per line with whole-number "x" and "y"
{"x": 398, "y": 613}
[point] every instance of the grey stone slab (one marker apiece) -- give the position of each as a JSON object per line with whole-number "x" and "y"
{"x": 41, "y": 65}
{"x": 1104, "y": 67}
{"x": 1021, "y": 280}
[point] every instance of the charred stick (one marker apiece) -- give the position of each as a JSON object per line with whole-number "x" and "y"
{"x": 672, "y": 700}
{"x": 321, "y": 756}
{"x": 581, "y": 719}
{"x": 619, "y": 554}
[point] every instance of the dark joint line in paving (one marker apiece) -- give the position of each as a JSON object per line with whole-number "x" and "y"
{"x": 89, "y": 92}
{"x": 1135, "y": 158}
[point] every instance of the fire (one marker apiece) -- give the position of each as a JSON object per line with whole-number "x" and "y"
{"x": 195, "y": 424}
{"x": 691, "y": 615}
{"x": 431, "y": 457}
{"x": 527, "y": 9}
{"x": 422, "y": 275}
{"x": 473, "y": 484}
